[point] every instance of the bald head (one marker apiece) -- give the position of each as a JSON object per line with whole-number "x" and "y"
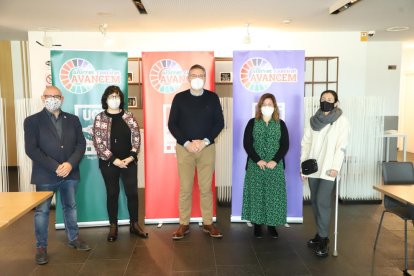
{"x": 52, "y": 99}
{"x": 52, "y": 90}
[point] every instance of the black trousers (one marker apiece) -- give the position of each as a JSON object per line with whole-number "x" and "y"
{"x": 111, "y": 175}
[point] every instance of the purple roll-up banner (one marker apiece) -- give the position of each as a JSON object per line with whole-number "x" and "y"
{"x": 280, "y": 73}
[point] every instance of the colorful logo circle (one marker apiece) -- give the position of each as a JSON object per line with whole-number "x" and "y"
{"x": 77, "y": 75}
{"x": 253, "y": 74}
{"x": 166, "y": 76}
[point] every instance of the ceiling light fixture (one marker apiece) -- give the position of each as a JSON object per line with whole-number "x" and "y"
{"x": 247, "y": 39}
{"x": 398, "y": 29}
{"x": 341, "y": 5}
{"x": 102, "y": 29}
{"x": 140, "y": 7}
{"x": 47, "y": 41}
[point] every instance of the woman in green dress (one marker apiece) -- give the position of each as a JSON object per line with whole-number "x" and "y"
{"x": 266, "y": 141}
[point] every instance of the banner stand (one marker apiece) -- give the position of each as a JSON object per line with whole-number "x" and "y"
{"x": 83, "y": 76}
{"x": 60, "y": 226}
{"x": 289, "y": 219}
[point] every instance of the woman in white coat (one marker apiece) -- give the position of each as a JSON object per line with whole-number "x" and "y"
{"x": 325, "y": 140}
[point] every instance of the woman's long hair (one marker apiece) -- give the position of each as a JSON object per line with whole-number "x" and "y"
{"x": 265, "y": 96}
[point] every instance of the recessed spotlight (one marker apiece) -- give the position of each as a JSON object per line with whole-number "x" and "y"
{"x": 398, "y": 29}
{"x": 287, "y": 21}
{"x": 104, "y": 14}
{"x": 48, "y": 29}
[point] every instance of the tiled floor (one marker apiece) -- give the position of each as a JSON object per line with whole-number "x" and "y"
{"x": 237, "y": 253}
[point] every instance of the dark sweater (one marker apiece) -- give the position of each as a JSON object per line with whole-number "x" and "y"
{"x": 195, "y": 117}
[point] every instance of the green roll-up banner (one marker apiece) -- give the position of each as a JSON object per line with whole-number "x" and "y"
{"x": 82, "y": 76}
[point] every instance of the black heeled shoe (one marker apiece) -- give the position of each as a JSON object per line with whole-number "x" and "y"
{"x": 113, "y": 232}
{"x": 257, "y": 230}
{"x": 314, "y": 242}
{"x": 322, "y": 250}
{"x": 272, "y": 231}
{"x": 135, "y": 229}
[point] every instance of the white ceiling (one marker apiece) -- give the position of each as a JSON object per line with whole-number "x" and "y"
{"x": 17, "y": 17}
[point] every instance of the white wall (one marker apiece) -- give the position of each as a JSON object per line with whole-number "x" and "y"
{"x": 352, "y": 53}
{"x": 379, "y": 80}
{"x": 406, "y": 110}
{"x": 363, "y": 66}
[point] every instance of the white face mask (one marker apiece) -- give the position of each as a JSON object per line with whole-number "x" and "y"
{"x": 197, "y": 84}
{"x": 114, "y": 103}
{"x": 53, "y": 104}
{"x": 267, "y": 111}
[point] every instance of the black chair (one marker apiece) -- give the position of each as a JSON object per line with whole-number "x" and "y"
{"x": 398, "y": 173}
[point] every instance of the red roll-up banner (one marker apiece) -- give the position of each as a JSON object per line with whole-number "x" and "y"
{"x": 164, "y": 75}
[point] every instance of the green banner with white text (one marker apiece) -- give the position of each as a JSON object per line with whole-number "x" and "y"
{"x": 83, "y": 76}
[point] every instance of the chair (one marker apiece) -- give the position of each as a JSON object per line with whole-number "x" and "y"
{"x": 398, "y": 173}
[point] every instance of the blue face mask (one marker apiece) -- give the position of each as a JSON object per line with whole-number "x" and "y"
{"x": 326, "y": 106}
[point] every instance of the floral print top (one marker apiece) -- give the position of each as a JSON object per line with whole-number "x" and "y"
{"x": 101, "y": 134}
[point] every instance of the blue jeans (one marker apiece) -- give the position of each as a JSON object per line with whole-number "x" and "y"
{"x": 67, "y": 189}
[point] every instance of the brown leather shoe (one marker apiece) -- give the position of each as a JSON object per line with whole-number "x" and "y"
{"x": 212, "y": 230}
{"x": 181, "y": 232}
{"x": 113, "y": 232}
{"x": 135, "y": 229}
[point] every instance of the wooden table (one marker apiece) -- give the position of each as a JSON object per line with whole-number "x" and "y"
{"x": 14, "y": 205}
{"x": 402, "y": 193}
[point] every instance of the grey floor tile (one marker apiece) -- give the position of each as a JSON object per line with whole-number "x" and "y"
{"x": 237, "y": 253}
{"x": 104, "y": 267}
{"x": 240, "y": 270}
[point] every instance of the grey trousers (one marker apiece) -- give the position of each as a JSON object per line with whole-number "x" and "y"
{"x": 321, "y": 199}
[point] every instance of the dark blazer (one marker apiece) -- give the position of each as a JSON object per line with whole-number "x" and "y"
{"x": 48, "y": 151}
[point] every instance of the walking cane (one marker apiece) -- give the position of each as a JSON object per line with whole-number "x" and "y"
{"x": 335, "y": 251}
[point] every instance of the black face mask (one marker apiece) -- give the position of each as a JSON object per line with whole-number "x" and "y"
{"x": 326, "y": 107}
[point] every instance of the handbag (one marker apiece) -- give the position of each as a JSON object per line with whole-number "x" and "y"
{"x": 309, "y": 166}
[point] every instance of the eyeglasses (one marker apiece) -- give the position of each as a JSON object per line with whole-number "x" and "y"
{"x": 113, "y": 97}
{"x": 201, "y": 76}
{"x": 57, "y": 97}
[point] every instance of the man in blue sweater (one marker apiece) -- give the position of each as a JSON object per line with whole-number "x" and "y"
{"x": 196, "y": 119}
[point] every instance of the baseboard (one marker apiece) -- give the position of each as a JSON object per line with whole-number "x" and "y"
{"x": 224, "y": 204}
{"x": 360, "y": 201}
{"x": 351, "y": 201}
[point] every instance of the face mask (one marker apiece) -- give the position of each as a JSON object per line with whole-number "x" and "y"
{"x": 326, "y": 107}
{"x": 267, "y": 111}
{"x": 197, "y": 84}
{"x": 52, "y": 104}
{"x": 114, "y": 103}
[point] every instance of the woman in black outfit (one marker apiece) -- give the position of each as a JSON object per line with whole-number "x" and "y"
{"x": 117, "y": 141}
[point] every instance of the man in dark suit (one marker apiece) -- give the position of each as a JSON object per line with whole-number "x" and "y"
{"x": 55, "y": 143}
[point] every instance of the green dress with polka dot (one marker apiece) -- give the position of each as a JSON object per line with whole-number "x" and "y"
{"x": 264, "y": 194}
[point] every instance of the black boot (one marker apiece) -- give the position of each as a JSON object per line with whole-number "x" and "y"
{"x": 313, "y": 243}
{"x": 113, "y": 232}
{"x": 322, "y": 249}
{"x": 272, "y": 231}
{"x": 257, "y": 228}
{"x": 135, "y": 229}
